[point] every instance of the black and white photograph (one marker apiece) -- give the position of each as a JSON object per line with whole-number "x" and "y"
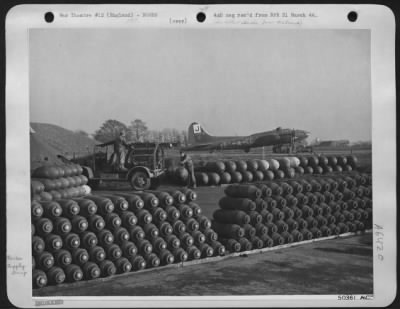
{"x": 228, "y": 155}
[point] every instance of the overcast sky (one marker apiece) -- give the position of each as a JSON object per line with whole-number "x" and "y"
{"x": 234, "y": 82}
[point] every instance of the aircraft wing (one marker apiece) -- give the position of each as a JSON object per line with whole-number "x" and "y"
{"x": 231, "y": 143}
{"x": 206, "y": 146}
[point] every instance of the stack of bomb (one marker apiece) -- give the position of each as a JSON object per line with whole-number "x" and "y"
{"x": 274, "y": 213}
{"x": 214, "y": 173}
{"x": 54, "y": 182}
{"x": 326, "y": 164}
{"x": 102, "y": 235}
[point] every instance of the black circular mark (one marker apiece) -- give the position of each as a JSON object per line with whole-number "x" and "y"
{"x": 49, "y": 17}
{"x": 201, "y": 17}
{"x": 352, "y": 16}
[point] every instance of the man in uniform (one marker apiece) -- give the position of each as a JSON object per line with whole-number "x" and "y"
{"x": 119, "y": 150}
{"x": 186, "y": 161}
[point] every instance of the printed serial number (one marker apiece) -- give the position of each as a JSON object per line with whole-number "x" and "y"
{"x": 346, "y": 297}
{"x": 149, "y": 14}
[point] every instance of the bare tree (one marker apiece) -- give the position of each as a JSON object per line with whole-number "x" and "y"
{"x": 139, "y": 129}
{"x": 109, "y": 130}
{"x": 184, "y": 138}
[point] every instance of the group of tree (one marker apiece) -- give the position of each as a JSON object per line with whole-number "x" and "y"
{"x": 138, "y": 131}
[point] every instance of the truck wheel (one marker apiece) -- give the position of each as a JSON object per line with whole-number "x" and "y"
{"x": 140, "y": 181}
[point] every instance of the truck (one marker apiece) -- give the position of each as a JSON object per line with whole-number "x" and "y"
{"x": 144, "y": 163}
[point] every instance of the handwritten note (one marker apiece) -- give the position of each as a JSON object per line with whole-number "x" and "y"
{"x": 378, "y": 231}
{"x": 267, "y": 17}
{"x": 16, "y": 266}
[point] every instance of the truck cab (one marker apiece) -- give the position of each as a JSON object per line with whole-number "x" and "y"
{"x": 144, "y": 164}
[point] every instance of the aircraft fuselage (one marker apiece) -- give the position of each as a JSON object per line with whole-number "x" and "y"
{"x": 267, "y": 138}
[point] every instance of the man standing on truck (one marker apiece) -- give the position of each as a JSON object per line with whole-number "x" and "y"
{"x": 119, "y": 151}
{"x": 186, "y": 161}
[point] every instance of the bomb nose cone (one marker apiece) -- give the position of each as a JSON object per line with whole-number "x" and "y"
{"x": 60, "y": 277}
{"x": 83, "y": 225}
{"x": 78, "y": 276}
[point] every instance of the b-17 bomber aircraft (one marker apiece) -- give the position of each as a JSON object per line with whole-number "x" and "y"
{"x": 199, "y": 139}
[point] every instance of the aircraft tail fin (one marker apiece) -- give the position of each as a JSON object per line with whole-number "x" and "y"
{"x": 197, "y": 134}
